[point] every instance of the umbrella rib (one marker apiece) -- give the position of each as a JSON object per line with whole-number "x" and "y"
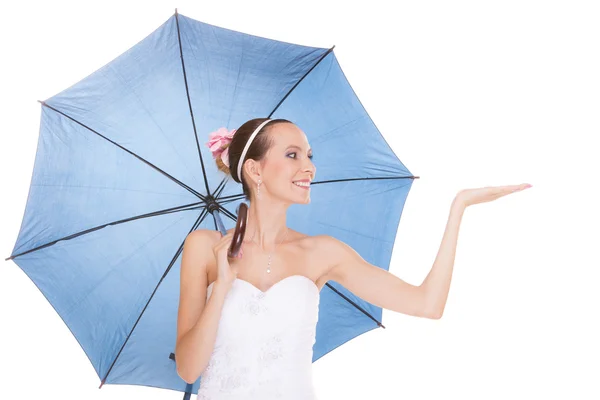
{"x": 230, "y": 200}
{"x": 179, "y": 250}
{"x": 227, "y": 213}
{"x": 233, "y": 197}
{"x": 219, "y": 189}
{"x": 127, "y": 150}
{"x": 187, "y": 91}
{"x": 365, "y": 179}
{"x": 148, "y": 215}
{"x": 355, "y": 305}
{"x": 301, "y": 79}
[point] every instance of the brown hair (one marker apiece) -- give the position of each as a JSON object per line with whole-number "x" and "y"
{"x": 257, "y": 151}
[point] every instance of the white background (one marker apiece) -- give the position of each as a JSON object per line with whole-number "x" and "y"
{"x": 468, "y": 94}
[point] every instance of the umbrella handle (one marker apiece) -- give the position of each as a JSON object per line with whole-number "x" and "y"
{"x": 240, "y": 229}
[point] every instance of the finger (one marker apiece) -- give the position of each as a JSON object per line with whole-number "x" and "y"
{"x": 224, "y": 242}
{"x": 495, "y": 192}
{"x": 515, "y": 188}
{"x": 229, "y": 236}
{"x": 507, "y": 189}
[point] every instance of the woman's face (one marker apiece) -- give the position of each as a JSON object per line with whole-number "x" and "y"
{"x": 288, "y": 161}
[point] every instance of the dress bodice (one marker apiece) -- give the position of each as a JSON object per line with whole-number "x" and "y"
{"x": 264, "y": 343}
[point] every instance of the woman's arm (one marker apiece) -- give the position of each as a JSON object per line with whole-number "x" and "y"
{"x": 197, "y": 319}
{"x": 381, "y": 288}
{"x": 384, "y": 289}
{"x": 437, "y": 283}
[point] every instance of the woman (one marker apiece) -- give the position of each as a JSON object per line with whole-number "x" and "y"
{"x": 247, "y": 325}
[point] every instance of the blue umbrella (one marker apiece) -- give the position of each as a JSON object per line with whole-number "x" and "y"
{"x": 122, "y": 175}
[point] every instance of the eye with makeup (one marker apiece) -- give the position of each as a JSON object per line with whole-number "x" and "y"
{"x": 294, "y": 153}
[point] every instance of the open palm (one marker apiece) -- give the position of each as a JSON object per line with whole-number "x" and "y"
{"x": 481, "y": 195}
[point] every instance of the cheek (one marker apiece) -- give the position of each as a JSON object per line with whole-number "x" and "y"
{"x": 282, "y": 172}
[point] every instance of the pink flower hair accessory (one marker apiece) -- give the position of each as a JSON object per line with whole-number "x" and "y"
{"x": 218, "y": 143}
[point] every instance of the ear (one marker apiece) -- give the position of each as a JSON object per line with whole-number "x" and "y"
{"x": 253, "y": 170}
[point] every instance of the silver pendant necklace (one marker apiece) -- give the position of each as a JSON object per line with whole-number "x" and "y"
{"x": 271, "y": 254}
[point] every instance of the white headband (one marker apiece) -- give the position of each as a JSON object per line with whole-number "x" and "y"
{"x": 248, "y": 143}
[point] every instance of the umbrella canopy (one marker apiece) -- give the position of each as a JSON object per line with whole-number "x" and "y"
{"x": 122, "y": 175}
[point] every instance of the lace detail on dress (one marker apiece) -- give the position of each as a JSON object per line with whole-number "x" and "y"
{"x": 270, "y": 351}
{"x": 263, "y": 348}
{"x": 254, "y": 305}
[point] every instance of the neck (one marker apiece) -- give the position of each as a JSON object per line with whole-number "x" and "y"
{"x": 266, "y": 225}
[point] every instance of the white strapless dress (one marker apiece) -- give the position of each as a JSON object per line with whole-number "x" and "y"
{"x": 264, "y": 344}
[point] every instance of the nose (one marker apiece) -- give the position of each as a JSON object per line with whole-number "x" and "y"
{"x": 310, "y": 168}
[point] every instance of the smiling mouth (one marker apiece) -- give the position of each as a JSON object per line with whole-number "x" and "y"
{"x": 302, "y": 185}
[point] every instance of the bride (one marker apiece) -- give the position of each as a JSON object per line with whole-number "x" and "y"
{"x": 246, "y": 326}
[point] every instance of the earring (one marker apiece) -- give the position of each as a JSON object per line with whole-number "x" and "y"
{"x": 258, "y": 191}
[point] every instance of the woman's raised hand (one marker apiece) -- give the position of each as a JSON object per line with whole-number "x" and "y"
{"x": 468, "y": 197}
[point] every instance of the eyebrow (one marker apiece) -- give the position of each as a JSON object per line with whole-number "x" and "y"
{"x": 298, "y": 147}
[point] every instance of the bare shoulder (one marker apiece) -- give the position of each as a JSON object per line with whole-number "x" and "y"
{"x": 202, "y": 237}
{"x": 325, "y": 245}
{"x": 323, "y": 252}
{"x": 335, "y": 254}
{"x": 309, "y": 244}
{"x": 197, "y": 250}
{"x": 205, "y": 240}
